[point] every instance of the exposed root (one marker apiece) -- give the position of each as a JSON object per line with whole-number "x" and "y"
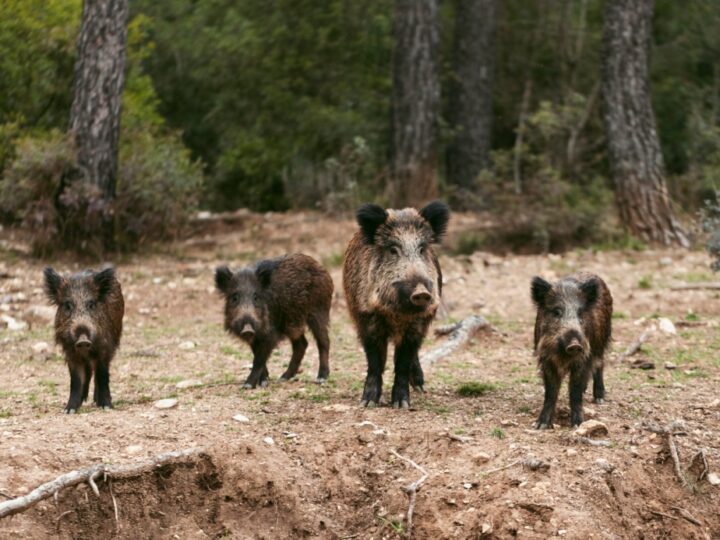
{"x": 686, "y": 515}
{"x": 50, "y": 489}
{"x": 636, "y": 345}
{"x": 411, "y": 489}
{"x": 498, "y": 469}
{"x": 460, "y": 333}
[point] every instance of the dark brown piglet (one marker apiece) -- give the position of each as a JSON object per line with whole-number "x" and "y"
{"x": 274, "y": 299}
{"x": 572, "y": 332}
{"x": 88, "y": 326}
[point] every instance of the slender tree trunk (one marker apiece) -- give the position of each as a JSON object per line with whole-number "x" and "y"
{"x": 634, "y": 148}
{"x": 415, "y": 102}
{"x": 99, "y": 80}
{"x": 470, "y": 92}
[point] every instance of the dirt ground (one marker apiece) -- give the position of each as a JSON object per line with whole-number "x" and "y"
{"x": 309, "y": 462}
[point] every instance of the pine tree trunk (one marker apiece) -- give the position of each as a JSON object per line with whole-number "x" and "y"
{"x": 415, "y": 102}
{"x": 634, "y": 148}
{"x": 99, "y": 80}
{"x": 470, "y": 93}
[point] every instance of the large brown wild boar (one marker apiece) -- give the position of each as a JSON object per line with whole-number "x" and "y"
{"x": 572, "y": 331}
{"x": 278, "y": 298}
{"x": 393, "y": 282}
{"x": 88, "y": 326}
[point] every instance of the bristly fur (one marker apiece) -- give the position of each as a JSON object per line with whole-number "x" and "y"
{"x": 52, "y": 284}
{"x": 223, "y": 276}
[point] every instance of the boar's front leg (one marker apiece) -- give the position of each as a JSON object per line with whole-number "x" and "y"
{"x": 579, "y": 376}
{"x": 552, "y": 381}
{"x": 417, "y": 378}
{"x": 102, "y": 386}
{"x": 598, "y": 384}
{"x": 406, "y": 361}
{"x": 77, "y": 384}
{"x": 259, "y": 374}
{"x": 376, "y": 353}
{"x": 299, "y": 345}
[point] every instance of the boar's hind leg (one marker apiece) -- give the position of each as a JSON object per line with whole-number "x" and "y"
{"x": 319, "y": 328}
{"x": 77, "y": 382}
{"x": 552, "y": 380}
{"x": 406, "y": 354}
{"x": 298, "y": 352}
{"x": 578, "y": 383}
{"x": 102, "y": 396}
{"x": 376, "y": 353}
{"x": 417, "y": 378}
{"x": 598, "y": 384}
{"x": 261, "y": 352}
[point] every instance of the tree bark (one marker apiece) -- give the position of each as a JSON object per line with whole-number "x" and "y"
{"x": 470, "y": 92}
{"x": 98, "y": 87}
{"x": 634, "y": 148}
{"x": 415, "y": 102}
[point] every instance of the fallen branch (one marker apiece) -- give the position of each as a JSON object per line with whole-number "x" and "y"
{"x": 459, "y": 438}
{"x": 686, "y": 515}
{"x": 674, "y": 428}
{"x": 636, "y": 346}
{"x": 88, "y": 475}
{"x": 707, "y": 285}
{"x": 411, "y": 489}
{"x": 460, "y": 333}
{"x": 497, "y": 469}
{"x": 662, "y": 514}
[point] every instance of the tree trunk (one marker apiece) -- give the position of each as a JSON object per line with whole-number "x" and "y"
{"x": 633, "y": 145}
{"x": 99, "y": 80}
{"x": 415, "y": 102}
{"x": 470, "y": 92}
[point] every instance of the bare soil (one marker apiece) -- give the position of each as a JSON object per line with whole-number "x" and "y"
{"x": 310, "y": 462}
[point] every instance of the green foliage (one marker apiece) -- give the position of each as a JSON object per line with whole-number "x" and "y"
{"x": 498, "y": 433}
{"x": 475, "y": 389}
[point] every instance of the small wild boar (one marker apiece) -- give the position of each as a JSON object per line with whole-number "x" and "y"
{"x": 393, "y": 282}
{"x": 88, "y": 326}
{"x": 278, "y": 298}
{"x": 572, "y": 331}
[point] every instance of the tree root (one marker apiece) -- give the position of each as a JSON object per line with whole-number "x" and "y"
{"x": 411, "y": 490}
{"x": 460, "y": 333}
{"x": 51, "y": 489}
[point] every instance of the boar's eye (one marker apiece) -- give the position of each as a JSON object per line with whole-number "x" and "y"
{"x": 395, "y": 250}
{"x": 90, "y": 304}
{"x": 256, "y": 297}
{"x": 67, "y": 306}
{"x": 557, "y": 312}
{"x": 234, "y": 298}
{"x": 423, "y": 249}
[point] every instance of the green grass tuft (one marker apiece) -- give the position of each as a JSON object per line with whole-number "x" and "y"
{"x": 475, "y": 389}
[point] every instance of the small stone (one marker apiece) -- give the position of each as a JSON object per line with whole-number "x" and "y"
{"x": 144, "y": 311}
{"x": 486, "y": 528}
{"x": 591, "y": 428}
{"x": 467, "y": 485}
{"x": 168, "y": 403}
{"x": 665, "y": 261}
{"x": 187, "y": 345}
{"x": 571, "y": 452}
{"x": 562, "y": 532}
{"x": 269, "y": 440}
{"x": 134, "y": 449}
{"x": 670, "y": 365}
{"x": 41, "y": 347}
{"x": 481, "y": 457}
{"x": 634, "y": 451}
{"x": 241, "y": 418}
{"x": 508, "y": 423}
{"x": 13, "y": 324}
{"x": 714, "y": 479}
{"x": 605, "y": 465}
{"x": 157, "y": 280}
{"x": 666, "y": 326}
{"x": 589, "y": 412}
{"x": 188, "y": 383}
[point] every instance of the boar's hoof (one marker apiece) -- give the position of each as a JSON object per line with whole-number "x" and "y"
{"x": 403, "y": 404}
{"x": 368, "y": 403}
{"x": 541, "y": 425}
{"x": 599, "y": 400}
{"x": 69, "y": 411}
{"x": 264, "y": 383}
{"x": 418, "y": 387}
{"x": 106, "y": 407}
{"x": 321, "y": 380}
{"x": 286, "y": 378}
{"x": 247, "y": 386}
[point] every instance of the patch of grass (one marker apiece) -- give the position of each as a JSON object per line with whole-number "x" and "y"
{"x": 171, "y": 379}
{"x": 645, "y": 282}
{"x": 4, "y": 413}
{"x": 620, "y": 315}
{"x": 51, "y": 386}
{"x": 620, "y": 242}
{"x": 468, "y": 243}
{"x": 523, "y": 409}
{"x": 475, "y": 389}
{"x": 230, "y": 351}
{"x": 333, "y": 260}
{"x": 498, "y": 433}
{"x": 695, "y": 277}
{"x": 692, "y": 316}
{"x": 437, "y": 409}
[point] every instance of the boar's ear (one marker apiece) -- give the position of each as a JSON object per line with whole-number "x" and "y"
{"x": 539, "y": 289}
{"x": 370, "y": 217}
{"x": 590, "y": 289}
{"x": 53, "y": 284}
{"x": 265, "y": 270}
{"x": 104, "y": 281}
{"x": 437, "y": 215}
{"x": 223, "y": 275}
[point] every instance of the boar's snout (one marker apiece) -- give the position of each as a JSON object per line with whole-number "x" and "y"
{"x": 245, "y": 329}
{"x": 420, "y": 296}
{"x": 82, "y": 337}
{"x": 572, "y": 343}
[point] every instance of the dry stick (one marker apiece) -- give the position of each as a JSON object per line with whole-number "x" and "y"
{"x": 459, "y": 438}
{"x": 675, "y": 458}
{"x": 710, "y": 285}
{"x": 662, "y": 514}
{"x": 6, "y": 494}
{"x": 49, "y": 489}
{"x": 687, "y": 515}
{"x": 459, "y": 336}
{"x": 635, "y": 347}
{"x": 117, "y": 520}
{"x": 411, "y": 489}
{"x": 512, "y": 464}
